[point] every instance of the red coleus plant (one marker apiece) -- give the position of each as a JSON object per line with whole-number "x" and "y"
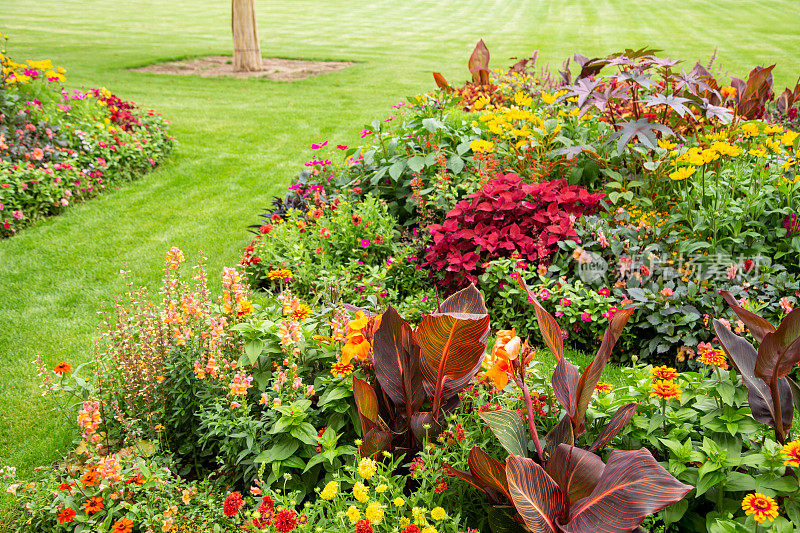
{"x": 507, "y": 215}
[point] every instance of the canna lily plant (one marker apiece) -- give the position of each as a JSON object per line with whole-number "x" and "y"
{"x": 419, "y": 372}
{"x": 563, "y": 488}
{"x": 771, "y": 392}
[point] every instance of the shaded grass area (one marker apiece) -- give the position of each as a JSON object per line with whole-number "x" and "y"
{"x": 241, "y": 141}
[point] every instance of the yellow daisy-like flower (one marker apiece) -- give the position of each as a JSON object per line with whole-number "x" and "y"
{"x": 419, "y": 515}
{"x": 429, "y": 529}
{"x": 791, "y": 452}
{"x": 437, "y": 513}
{"x": 367, "y": 468}
{"x": 522, "y": 99}
{"x": 714, "y": 357}
{"x": 360, "y": 492}
{"x": 479, "y": 145}
{"x": 775, "y": 128}
{"x": 666, "y": 145}
{"x": 750, "y": 130}
{"x": 399, "y": 502}
{"x": 663, "y": 372}
{"x": 665, "y": 390}
{"x": 374, "y": 513}
{"x": 682, "y": 173}
{"x": 330, "y": 490}
{"x": 404, "y": 521}
{"x": 788, "y": 138}
{"x": 380, "y": 489}
{"x": 762, "y": 507}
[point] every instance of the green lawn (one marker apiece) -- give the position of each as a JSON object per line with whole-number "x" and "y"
{"x": 241, "y": 141}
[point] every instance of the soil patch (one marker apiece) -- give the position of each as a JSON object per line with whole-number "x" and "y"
{"x": 271, "y": 68}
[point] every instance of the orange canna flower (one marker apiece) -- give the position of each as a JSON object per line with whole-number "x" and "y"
{"x": 506, "y": 349}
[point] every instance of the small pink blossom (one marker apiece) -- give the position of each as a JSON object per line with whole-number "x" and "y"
{"x": 732, "y": 271}
{"x": 586, "y": 317}
{"x": 365, "y": 133}
{"x": 544, "y": 294}
{"x": 786, "y": 305}
{"x": 365, "y": 243}
{"x": 666, "y": 292}
{"x": 320, "y": 145}
{"x": 18, "y": 214}
{"x": 559, "y": 314}
{"x": 341, "y": 146}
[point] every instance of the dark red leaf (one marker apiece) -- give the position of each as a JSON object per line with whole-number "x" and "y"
{"x": 618, "y": 421}
{"x": 632, "y": 487}
{"x": 537, "y": 497}
{"x": 576, "y": 471}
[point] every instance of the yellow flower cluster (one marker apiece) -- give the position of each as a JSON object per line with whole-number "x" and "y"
{"x": 21, "y": 73}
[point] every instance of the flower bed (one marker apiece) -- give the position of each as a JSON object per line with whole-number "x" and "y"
{"x": 393, "y": 351}
{"x": 58, "y": 147}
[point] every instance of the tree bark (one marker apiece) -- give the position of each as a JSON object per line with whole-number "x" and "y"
{"x": 246, "y": 50}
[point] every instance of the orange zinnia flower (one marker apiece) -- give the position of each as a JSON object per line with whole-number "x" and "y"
{"x": 664, "y": 372}
{"x": 791, "y": 452}
{"x": 714, "y": 357}
{"x": 341, "y": 370}
{"x": 93, "y": 504}
{"x": 122, "y": 526}
{"x": 665, "y": 390}
{"x": 763, "y": 507}
{"x": 89, "y": 478}
{"x": 62, "y": 368}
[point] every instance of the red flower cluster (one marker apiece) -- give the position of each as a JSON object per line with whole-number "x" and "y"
{"x": 363, "y": 526}
{"x": 506, "y": 215}
{"x": 266, "y": 512}
{"x": 285, "y": 520}
{"x": 233, "y": 503}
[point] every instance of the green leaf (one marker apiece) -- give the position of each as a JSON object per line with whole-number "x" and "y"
{"x": 253, "y": 349}
{"x": 455, "y": 164}
{"x": 509, "y": 429}
{"x": 294, "y": 462}
{"x": 674, "y": 512}
{"x": 396, "y": 170}
{"x": 416, "y": 163}
{"x": 306, "y": 433}
{"x": 432, "y": 124}
{"x": 336, "y": 393}
{"x": 463, "y": 147}
{"x": 280, "y": 451}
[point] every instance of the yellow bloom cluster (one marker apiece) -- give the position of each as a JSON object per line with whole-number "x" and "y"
{"x": 21, "y": 73}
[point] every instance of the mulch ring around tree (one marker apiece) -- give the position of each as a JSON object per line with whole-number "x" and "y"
{"x": 272, "y": 68}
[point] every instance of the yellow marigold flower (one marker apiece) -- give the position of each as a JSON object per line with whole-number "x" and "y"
{"x": 663, "y": 372}
{"x": 429, "y": 529}
{"x": 666, "y": 145}
{"x": 682, "y": 173}
{"x": 480, "y": 103}
{"x": 437, "y": 513}
{"x": 353, "y": 514}
{"x": 380, "y": 489}
{"x": 399, "y": 502}
{"x": 750, "y": 130}
{"x": 479, "y": 145}
{"x": 330, "y": 491}
{"x": 791, "y": 452}
{"x": 522, "y": 99}
{"x": 40, "y": 65}
{"x": 367, "y": 468}
{"x": 763, "y": 507}
{"x": 548, "y": 98}
{"x": 374, "y": 513}
{"x": 788, "y": 138}
{"x": 360, "y": 492}
{"x": 419, "y": 515}
{"x": 665, "y": 390}
{"x": 761, "y": 151}
{"x": 404, "y": 521}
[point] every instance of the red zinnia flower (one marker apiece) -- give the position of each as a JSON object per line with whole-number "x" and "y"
{"x": 285, "y": 520}
{"x": 410, "y": 528}
{"x": 66, "y": 515}
{"x": 94, "y": 504}
{"x": 62, "y": 368}
{"x": 356, "y": 219}
{"x": 232, "y": 504}
{"x": 363, "y": 526}
{"x": 122, "y": 526}
{"x": 266, "y": 228}
{"x": 379, "y": 239}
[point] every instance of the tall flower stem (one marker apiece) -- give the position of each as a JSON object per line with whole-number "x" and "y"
{"x": 529, "y": 407}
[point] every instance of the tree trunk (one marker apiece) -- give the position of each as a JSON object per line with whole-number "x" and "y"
{"x": 246, "y": 50}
